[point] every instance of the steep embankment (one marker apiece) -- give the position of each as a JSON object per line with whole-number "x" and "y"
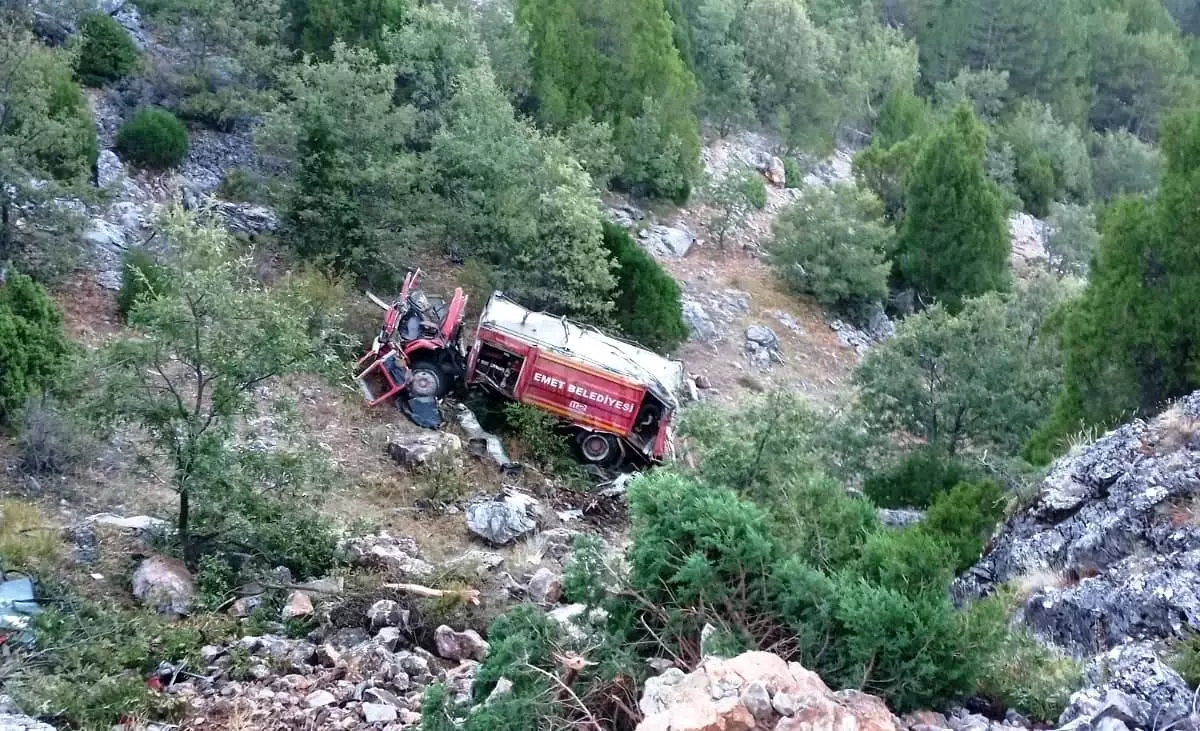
{"x": 1106, "y": 561}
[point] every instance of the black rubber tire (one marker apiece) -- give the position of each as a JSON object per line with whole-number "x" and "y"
{"x": 427, "y": 378}
{"x": 610, "y": 454}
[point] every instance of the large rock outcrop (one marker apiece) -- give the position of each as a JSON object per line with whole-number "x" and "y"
{"x": 756, "y": 690}
{"x": 1106, "y": 560}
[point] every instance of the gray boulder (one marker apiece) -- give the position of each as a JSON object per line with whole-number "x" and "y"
{"x": 504, "y": 520}
{"x": 1132, "y": 685}
{"x": 667, "y": 242}
{"x": 545, "y": 587}
{"x": 165, "y": 585}
{"x": 453, "y": 645}
{"x": 17, "y": 722}
{"x": 413, "y": 450}
{"x": 398, "y": 555}
{"x": 110, "y": 171}
{"x": 762, "y": 336}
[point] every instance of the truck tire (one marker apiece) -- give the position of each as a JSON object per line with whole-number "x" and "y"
{"x": 599, "y": 448}
{"x": 427, "y": 379}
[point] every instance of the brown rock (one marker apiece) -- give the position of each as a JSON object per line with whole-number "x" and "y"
{"x": 924, "y": 718}
{"x": 298, "y": 604}
{"x": 872, "y": 713}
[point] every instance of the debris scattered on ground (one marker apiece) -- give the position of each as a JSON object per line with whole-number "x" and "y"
{"x": 480, "y": 441}
{"x": 17, "y": 607}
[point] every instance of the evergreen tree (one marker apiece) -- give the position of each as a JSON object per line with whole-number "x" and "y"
{"x": 954, "y": 242}
{"x": 647, "y": 302}
{"x": 1133, "y": 340}
{"x": 615, "y": 61}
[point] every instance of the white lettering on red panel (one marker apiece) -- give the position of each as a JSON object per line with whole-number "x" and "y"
{"x": 582, "y": 392}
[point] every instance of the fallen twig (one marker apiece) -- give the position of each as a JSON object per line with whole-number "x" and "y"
{"x": 470, "y": 596}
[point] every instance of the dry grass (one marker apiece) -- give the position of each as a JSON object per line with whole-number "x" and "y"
{"x": 1174, "y": 430}
{"x": 1037, "y": 581}
{"x": 28, "y": 541}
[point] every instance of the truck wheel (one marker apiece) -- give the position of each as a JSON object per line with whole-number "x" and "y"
{"x": 427, "y": 380}
{"x": 599, "y": 448}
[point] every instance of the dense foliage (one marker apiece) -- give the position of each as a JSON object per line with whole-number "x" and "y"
{"x": 33, "y": 347}
{"x": 833, "y": 244}
{"x": 142, "y": 277}
{"x": 1130, "y": 340}
{"x": 647, "y": 302}
{"x": 153, "y": 138}
{"x": 106, "y": 52}
{"x": 953, "y": 243}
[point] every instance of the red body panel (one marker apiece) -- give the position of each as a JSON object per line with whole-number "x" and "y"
{"x": 580, "y": 394}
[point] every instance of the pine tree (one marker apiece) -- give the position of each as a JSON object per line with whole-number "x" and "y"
{"x": 1133, "y": 341}
{"x": 954, "y": 243}
{"x": 603, "y": 59}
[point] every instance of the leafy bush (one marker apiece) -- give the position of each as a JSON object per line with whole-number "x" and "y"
{"x": 834, "y": 244}
{"x": 1187, "y": 659}
{"x": 916, "y": 481}
{"x": 274, "y": 530}
{"x": 702, "y": 555}
{"x": 1071, "y": 239}
{"x": 96, "y": 659}
{"x": 153, "y": 138}
{"x": 241, "y": 186}
{"x": 142, "y": 276}
{"x": 756, "y": 192}
{"x": 647, "y": 302}
{"x": 538, "y": 435}
{"x": 964, "y": 518}
{"x": 793, "y": 174}
{"x": 1032, "y": 678}
{"x": 107, "y": 52}
{"x": 1124, "y": 164}
{"x": 215, "y": 582}
{"x": 33, "y": 348}
{"x": 51, "y": 439}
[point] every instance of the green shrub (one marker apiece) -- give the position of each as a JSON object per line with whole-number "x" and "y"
{"x": 215, "y": 582}
{"x": 756, "y": 192}
{"x": 69, "y": 105}
{"x": 964, "y": 518}
{"x": 1032, "y": 678}
{"x": 107, "y": 52}
{"x": 1187, "y": 659}
{"x": 793, "y": 174}
{"x": 833, "y": 244}
{"x": 33, "y": 348}
{"x": 916, "y": 481}
{"x": 909, "y": 561}
{"x": 274, "y": 530}
{"x": 538, "y": 435}
{"x": 52, "y": 439}
{"x": 241, "y": 186}
{"x": 153, "y": 138}
{"x": 647, "y": 302}
{"x": 94, "y": 660}
{"x": 142, "y": 277}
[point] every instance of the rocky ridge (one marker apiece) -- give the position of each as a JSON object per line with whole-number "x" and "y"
{"x": 1106, "y": 563}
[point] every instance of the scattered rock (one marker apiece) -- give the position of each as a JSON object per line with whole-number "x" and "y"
{"x": 667, "y": 242}
{"x": 775, "y": 173}
{"x": 545, "y": 588}
{"x": 504, "y": 520}
{"x": 298, "y": 604}
{"x": 244, "y": 606}
{"x": 248, "y": 219}
{"x": 17, "y": 722}
{"x": 139, "y": 524}
{"x": 480, "y": 563}
{"x": 763, "y": 336}
{"x": 165, "y": 585}
{"x": 398, "y": 555}
{"x": 503, "y": 688}
{"x": 1027, "y": 235}
{"x": 319, "y": 698}
{"x": 387, "y": 613}
{"x": 378, "y": 712}
{"x": 578, "y": 624}
{"x": 757, "y": 700}
{"x": 412, "y": 450}
{"x": 467, "y": 645}
{"x": 110, "y": 172}
{"x": 899, "y": 518}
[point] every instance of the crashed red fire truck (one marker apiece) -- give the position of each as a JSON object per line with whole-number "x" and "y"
{"x": 619, "y": 399}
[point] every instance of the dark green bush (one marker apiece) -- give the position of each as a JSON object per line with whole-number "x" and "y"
{"x": 33, "y": 348}
{"x": 153, "y": 138}
{"x": 69, "y": 105}
{"x": 273, "y": 530}
{"x": 756, "y": 191}
{"x": 241, "y": 186}
{"x": 963, "y": 519}
{"x": 916, "y": 481}
{"x": 909, "y": 561}
{"x": 793, "y": 174}
{"x": 142, "y": 277}
{"x": 107, "y": 52}
{"x": 1187, "y": 659}
{"x": 647, "y": 302}
{"x": 538, "y": 436}
{"x": 94, "y": 661}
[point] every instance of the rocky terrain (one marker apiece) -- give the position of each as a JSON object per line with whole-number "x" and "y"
{"x": 1106, "y": 562}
